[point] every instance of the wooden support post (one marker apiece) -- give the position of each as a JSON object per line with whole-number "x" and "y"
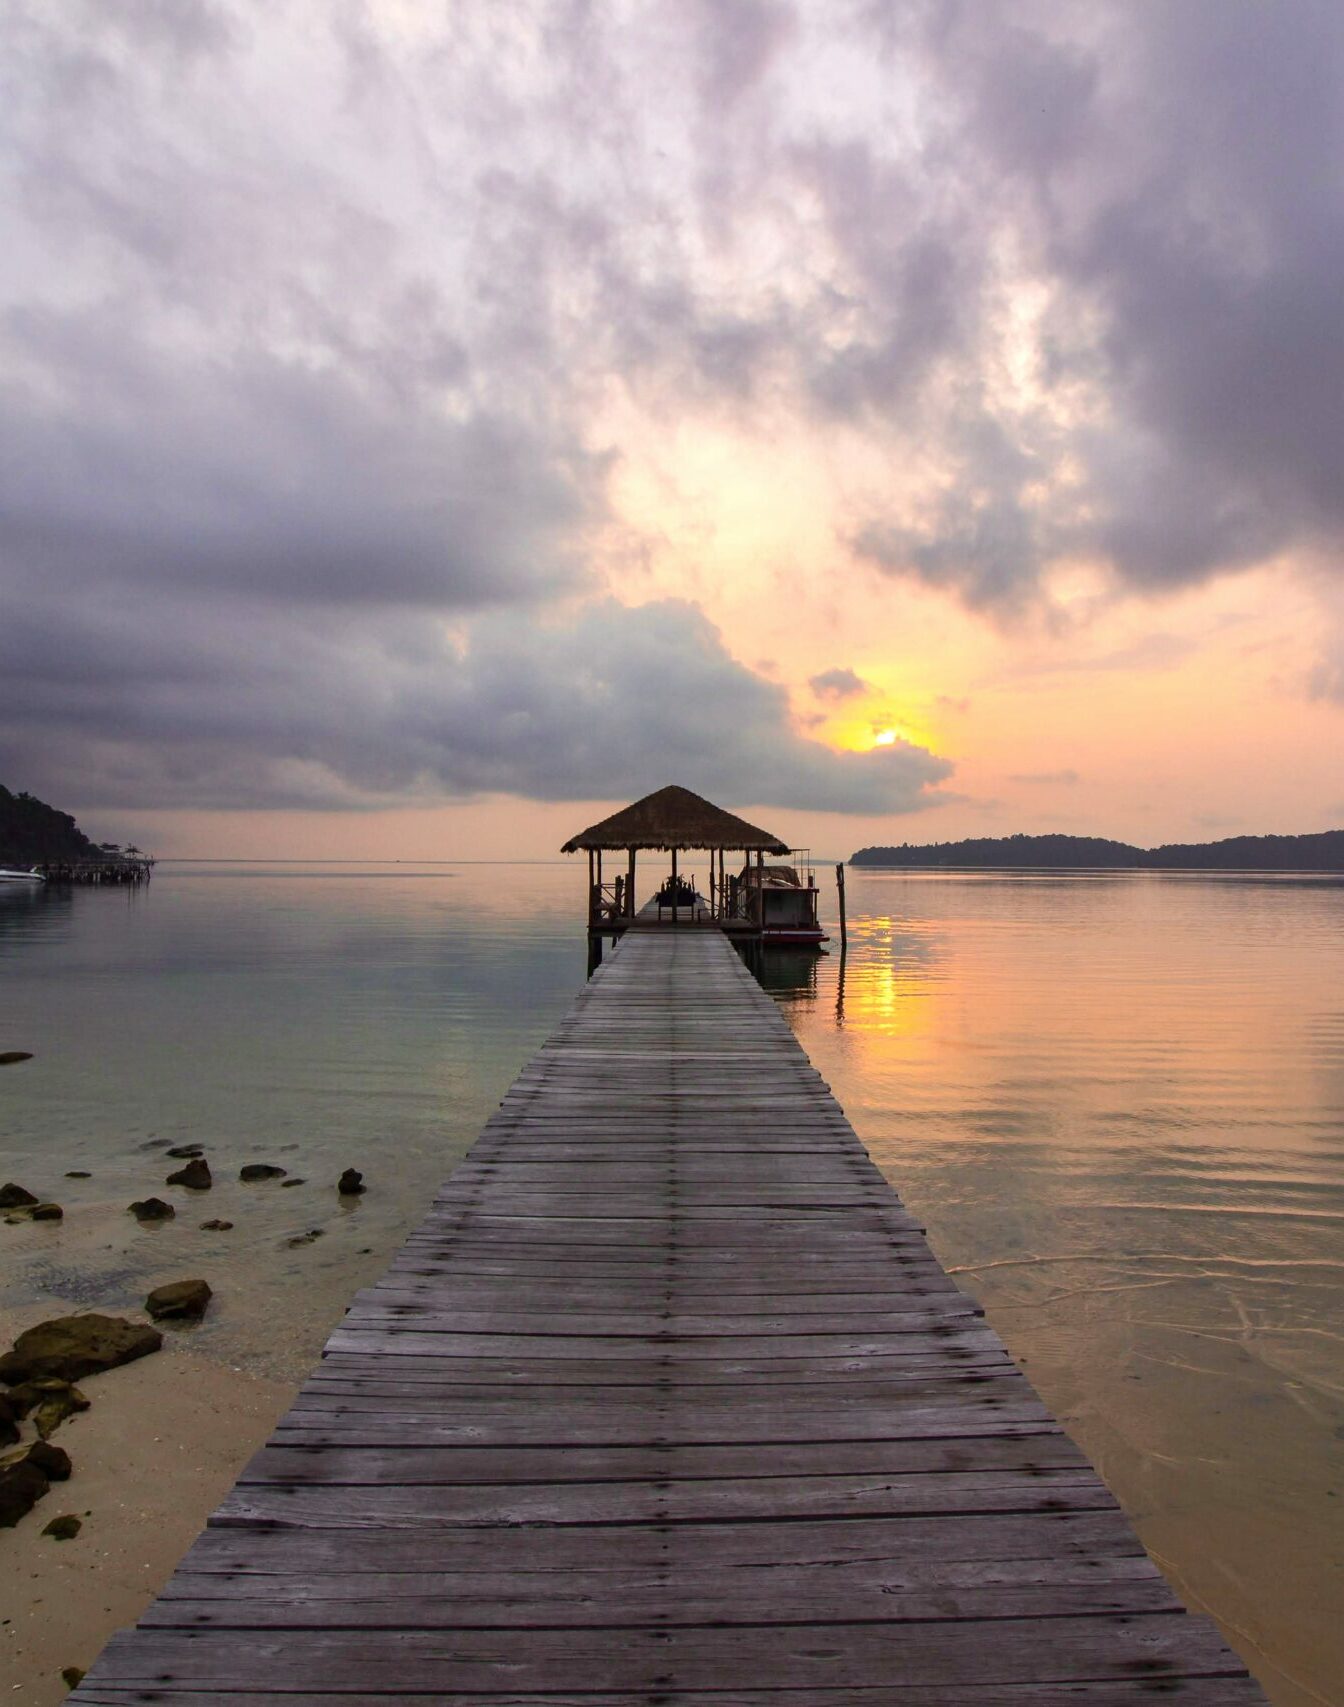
{"x": 630, "y": 887}
{"x": 760, "y": 887}
{"x": 674, "y": 886}
{"x": 840, "y": 890}
{"x": 590, "y": 886}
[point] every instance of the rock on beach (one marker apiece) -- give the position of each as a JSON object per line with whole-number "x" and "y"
{"x": 22, "y": 1485}
{"x": 259, "y": 1170}
{"x": 15, "y": 1197}
{"x": 52, "y": 1461}
{"x": 179, "y": 1301}
{"x": 50, "y": 1400}
{"x": 70, "y": 1346}
{"x": 151, "y": 1209}
{"x": 196, "y": 1174}
{"x": 351, "y": 1183}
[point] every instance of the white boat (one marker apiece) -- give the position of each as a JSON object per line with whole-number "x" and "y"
{"x": 783, "y": 901}
{"x": 9, "y": 875}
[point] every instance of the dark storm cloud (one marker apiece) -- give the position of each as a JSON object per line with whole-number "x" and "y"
{"x": 243, "y": 715}
{"x": 1167, "y": 173}
{"x": 122, "y": 463}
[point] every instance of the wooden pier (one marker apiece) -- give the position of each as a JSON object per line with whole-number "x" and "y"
{"x": 116, "y": 871}
{"x": 667, "y": 1401}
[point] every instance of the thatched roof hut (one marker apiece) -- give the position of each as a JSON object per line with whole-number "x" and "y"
{"x": 672, "y": 818}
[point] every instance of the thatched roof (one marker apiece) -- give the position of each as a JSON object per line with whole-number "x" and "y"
{"x": 674, "y": 818}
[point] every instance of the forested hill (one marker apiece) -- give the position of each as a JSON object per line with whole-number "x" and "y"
{"x": 1324, "y": 852}
{"x": 30, "y": 831}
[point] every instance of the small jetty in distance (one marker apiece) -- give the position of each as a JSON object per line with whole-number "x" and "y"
{"x": 668, "y": 1403}
{"x": 37, "y": 839}
{"x": 114, "y": 869}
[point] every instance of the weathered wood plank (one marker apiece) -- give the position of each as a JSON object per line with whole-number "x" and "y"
{"x": 656, "y": 1501}
{"x": 437, "y": 1466}
{"x": 880, "y": 1542}
{"x": 781, "y": 1656}
{"x": 1141, "y": 1691}
{"x": 616, "y": 1601}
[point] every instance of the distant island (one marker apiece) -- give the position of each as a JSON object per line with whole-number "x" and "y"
{"x": 33, "y": 833}
{"x": 1323, "y": 852}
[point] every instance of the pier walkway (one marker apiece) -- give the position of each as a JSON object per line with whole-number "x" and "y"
{"x": 667, "y": 1401}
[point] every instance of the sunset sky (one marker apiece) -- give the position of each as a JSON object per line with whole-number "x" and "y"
{"x": 426, "y": 424}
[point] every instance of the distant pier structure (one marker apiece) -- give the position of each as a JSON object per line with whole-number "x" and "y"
{"x": 121, "y": 869}
{"x": 743, "y": 896}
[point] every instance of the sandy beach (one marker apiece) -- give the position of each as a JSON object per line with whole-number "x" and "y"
{"x": 165, "y": 1436}
{"x": 159, "y": 1447}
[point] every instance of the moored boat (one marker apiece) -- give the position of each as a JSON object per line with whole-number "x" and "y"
{"x": 787, "y": 896}
{"x": 9, "y": 875}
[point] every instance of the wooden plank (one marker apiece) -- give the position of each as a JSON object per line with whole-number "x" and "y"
{"x": 781, "y": 1656}
{"x": 1133, "y": 1692}
{"x": 413, "y": 1464}
{"x": 667, "y": 1401}
{"x": 886, "y": 1543}
{"x": 615, "y": 1600}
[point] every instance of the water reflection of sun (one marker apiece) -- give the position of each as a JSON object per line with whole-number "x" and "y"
{"x": 884, "y": 994}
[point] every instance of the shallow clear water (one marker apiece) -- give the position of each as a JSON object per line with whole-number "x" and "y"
{"x": 1118, "y": 1101}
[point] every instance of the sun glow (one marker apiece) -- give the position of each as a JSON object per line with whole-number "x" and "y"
{"x": 885, "y": 738}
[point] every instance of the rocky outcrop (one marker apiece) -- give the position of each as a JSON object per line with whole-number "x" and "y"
{"x": 70, "y": 1346}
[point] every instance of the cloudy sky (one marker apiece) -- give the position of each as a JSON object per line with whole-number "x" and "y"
{"x": 427, "y": 420}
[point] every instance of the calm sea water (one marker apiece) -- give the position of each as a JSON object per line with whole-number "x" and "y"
{"x": 1118, "y": 1101}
